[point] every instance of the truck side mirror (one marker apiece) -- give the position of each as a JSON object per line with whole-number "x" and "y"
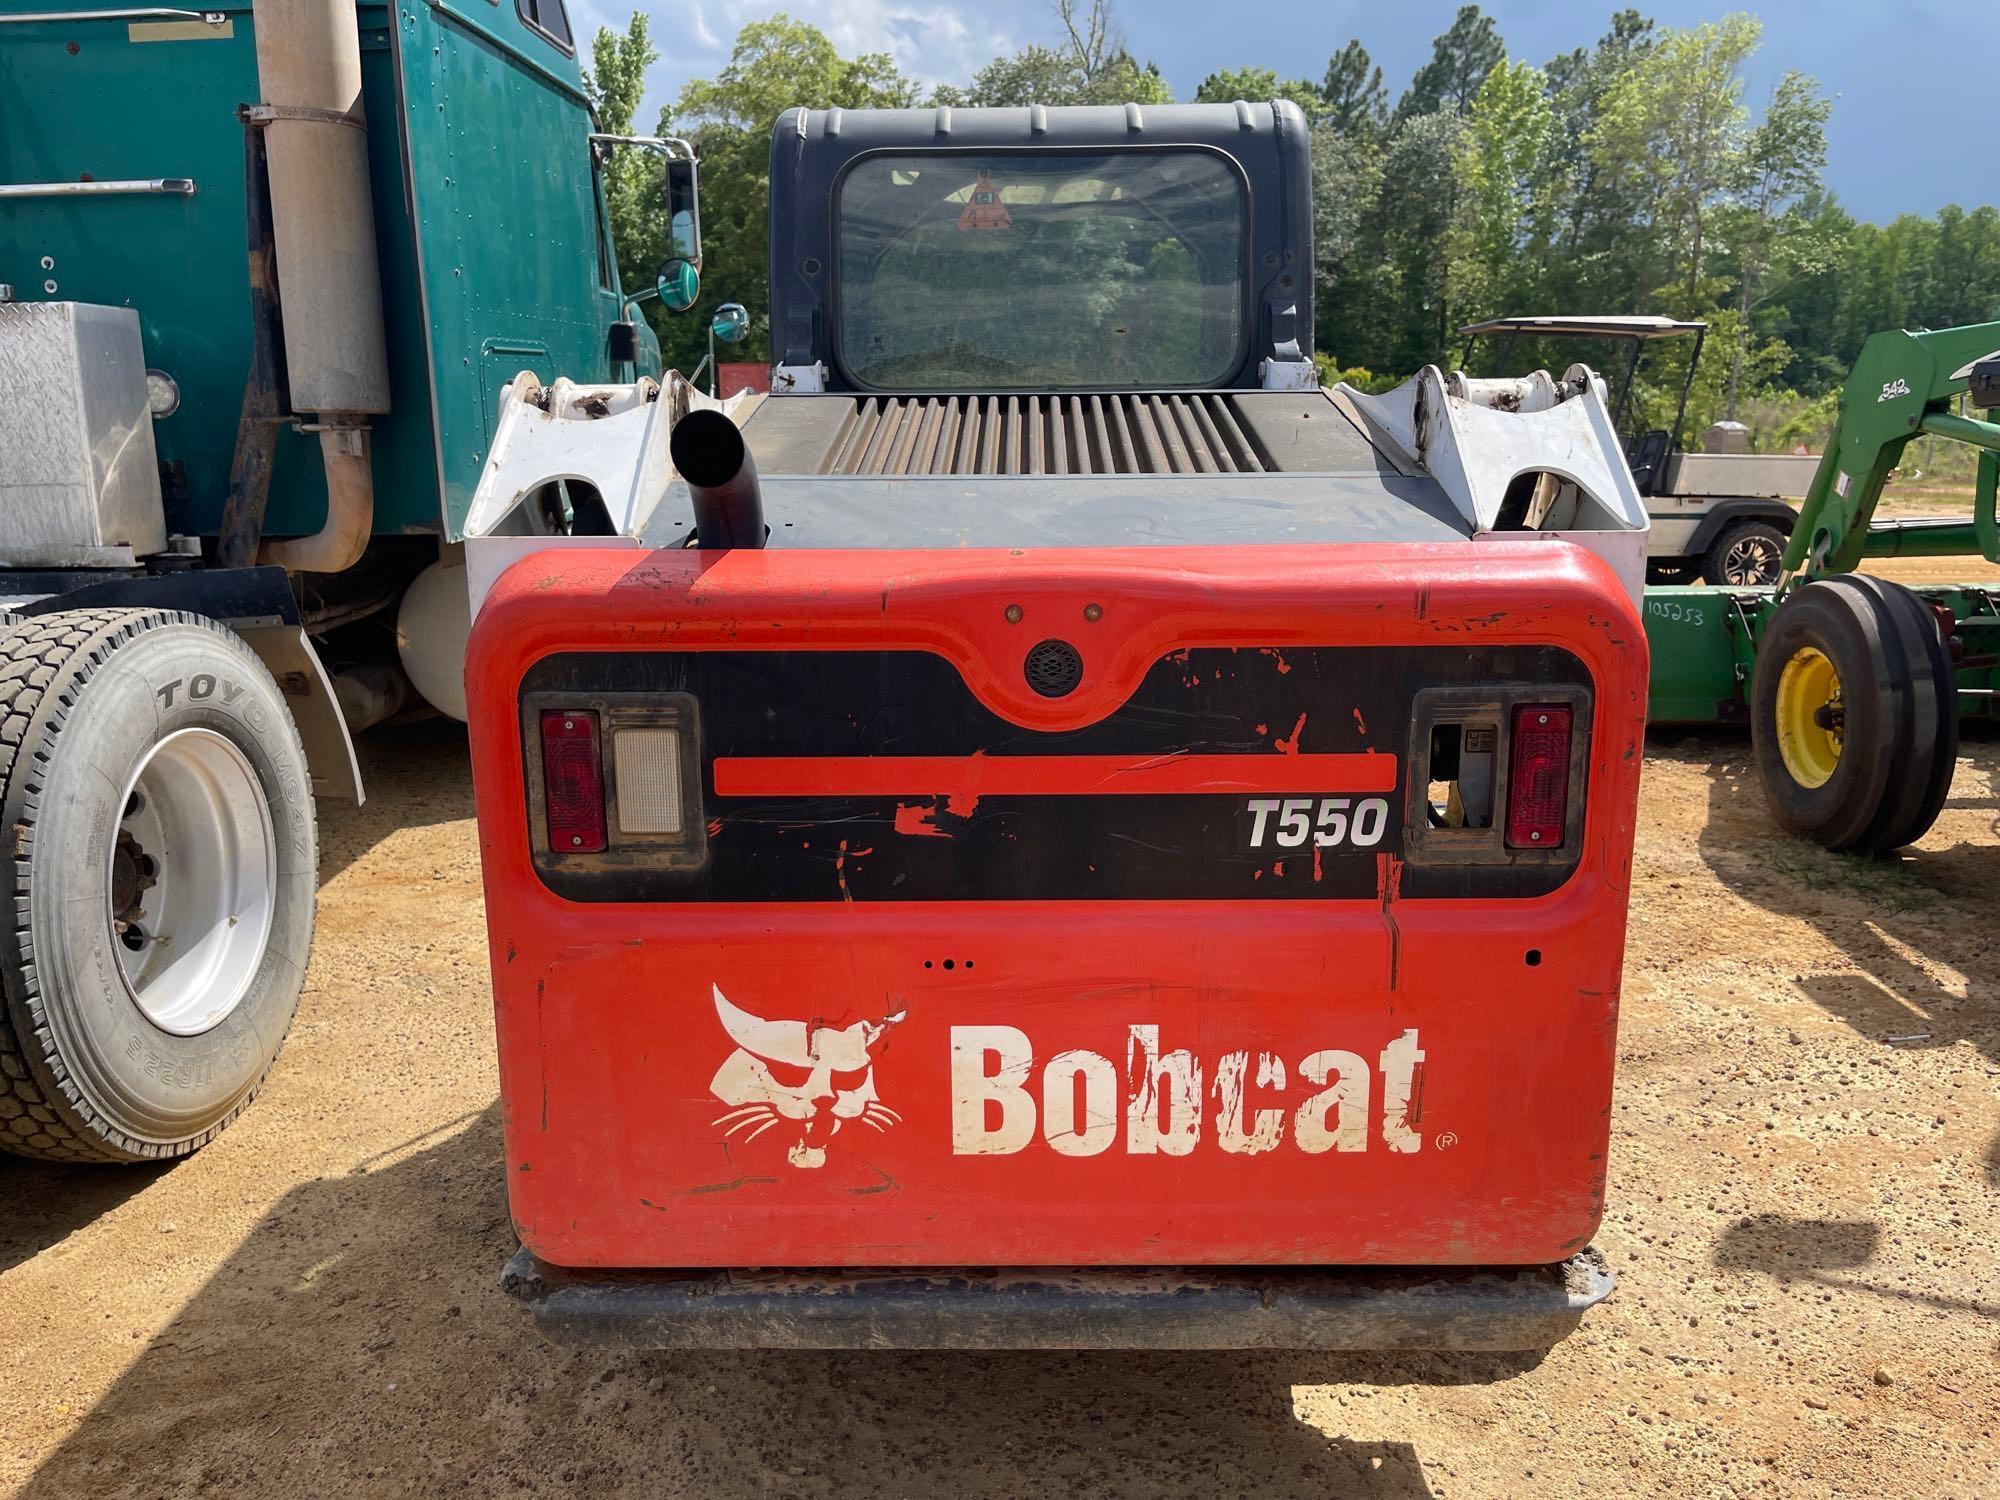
{"x": 678, "y": 284}
{"x": 731, "y": 323}
{"x": 683, "y": 210}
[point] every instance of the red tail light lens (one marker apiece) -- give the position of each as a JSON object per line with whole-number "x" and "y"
{"x": 1538, "y": 776}
{"x": 572, "y": 781}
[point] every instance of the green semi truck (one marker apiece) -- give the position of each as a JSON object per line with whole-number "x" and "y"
{"x": 1853, "y": 686}
{"x": 265, "y": 269}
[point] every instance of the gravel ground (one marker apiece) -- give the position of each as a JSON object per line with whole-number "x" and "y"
{"x": 1803, "y": 1216}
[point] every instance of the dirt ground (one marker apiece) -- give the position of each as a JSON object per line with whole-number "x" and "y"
{"x": 1804, "y": 1187}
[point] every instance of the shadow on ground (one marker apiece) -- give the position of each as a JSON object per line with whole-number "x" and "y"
{"x": 45, "y": 1203}
{"x": 1831, "y": 1253}
{"x": 399, "y": 769}
{"x": 358, "y": 1340}
{"x": 1882, "y": 914}
{"x": 1942, "y": 904}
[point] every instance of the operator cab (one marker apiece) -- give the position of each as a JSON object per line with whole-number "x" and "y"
{"x": 1080, "y": 318}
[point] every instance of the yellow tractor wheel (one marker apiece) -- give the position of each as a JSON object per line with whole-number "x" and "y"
{"x": 1854, "y": 714}
{"x": 1809, "y": 716}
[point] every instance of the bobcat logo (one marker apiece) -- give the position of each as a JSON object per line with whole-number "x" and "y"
{"x": 817, "y": 1075}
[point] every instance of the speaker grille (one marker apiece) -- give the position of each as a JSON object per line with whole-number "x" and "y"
{"x": 1054, "y": 668}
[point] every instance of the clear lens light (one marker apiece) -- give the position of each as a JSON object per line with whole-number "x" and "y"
{"x": 647, "y": 764}
{"x": 163, "y": 396}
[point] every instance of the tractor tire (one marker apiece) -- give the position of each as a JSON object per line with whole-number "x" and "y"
{"x": 1934, "y": 719}
{"x": 1746, "y": 553}
{"x": 1852, "y": 718}
{"x": 160, "y": 858}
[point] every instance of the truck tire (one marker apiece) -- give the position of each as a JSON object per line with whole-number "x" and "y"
{"x": 1746, "y": 553}
{"x": 156, "y": 806}
{"x": 1852, "y": 717}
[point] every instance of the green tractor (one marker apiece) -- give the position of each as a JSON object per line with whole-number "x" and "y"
{"x": 1853, "y": 686}
{"x": 265, "y": 269}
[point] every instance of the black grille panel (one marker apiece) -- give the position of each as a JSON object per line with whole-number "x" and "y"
{"x": 1095, "y": 434}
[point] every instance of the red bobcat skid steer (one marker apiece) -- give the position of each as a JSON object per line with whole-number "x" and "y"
{"x": 1061, "y": 867}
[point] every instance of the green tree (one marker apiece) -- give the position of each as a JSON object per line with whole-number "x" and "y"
{"x": 1415, "y": 211}
{"x": 1596, "y": 263}
{"x": 1089, "y": 66}
{"x": 1964, "y": 281}
{"x": 1353, "y": 100}
{"x": 775, "y": 65}
{"x": 1678, "y": 126}
{"x": 1354, "y": 284}
{"x": 1783, "y": 161}
{"x": 1460, "y": 60}
{"x": 615, "y": 82}
{"x": 1508, "y": 191}
{"x": 1258, "y": 85}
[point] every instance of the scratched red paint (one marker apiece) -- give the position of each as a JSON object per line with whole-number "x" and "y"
{"x": 632, "y": 1169}
{"x": 1291, "y": 746}
{"x": 918, "y": 821}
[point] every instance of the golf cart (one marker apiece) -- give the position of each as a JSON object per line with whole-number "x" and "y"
{"x": 1723, "y": 514}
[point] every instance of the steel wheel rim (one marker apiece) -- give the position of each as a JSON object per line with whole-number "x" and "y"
{"x": 1807, "y": 685}
{"x": 1750, "y": 559}
{"x": 192, "y": 882}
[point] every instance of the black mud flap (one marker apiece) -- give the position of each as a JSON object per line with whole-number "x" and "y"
{"x": 1504, "y": 1308}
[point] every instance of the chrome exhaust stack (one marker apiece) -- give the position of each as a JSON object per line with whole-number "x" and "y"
{"x": 323, "y": 222}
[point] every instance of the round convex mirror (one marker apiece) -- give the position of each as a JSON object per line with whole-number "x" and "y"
{"x": 679, "y": 284}
{"x": 731, "y": 323}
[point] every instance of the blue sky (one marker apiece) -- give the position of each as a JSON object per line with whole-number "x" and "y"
{"x": 1911, "y": 79}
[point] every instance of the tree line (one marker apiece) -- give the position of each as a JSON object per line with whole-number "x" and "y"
{"x": 1628, "y": 176}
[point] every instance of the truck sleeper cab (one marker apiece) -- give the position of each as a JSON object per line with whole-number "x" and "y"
{"x": 264, "y": 268}
{"x": 993, "y": 818}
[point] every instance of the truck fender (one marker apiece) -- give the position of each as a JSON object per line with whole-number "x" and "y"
{"x": 258, "y": 605}
{"x": 1727, "y": 512}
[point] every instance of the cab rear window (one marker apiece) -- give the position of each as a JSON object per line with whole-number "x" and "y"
{"x": 1067, "y": 270}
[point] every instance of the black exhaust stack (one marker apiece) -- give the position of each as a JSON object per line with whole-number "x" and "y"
{"x": 710, "y": 454}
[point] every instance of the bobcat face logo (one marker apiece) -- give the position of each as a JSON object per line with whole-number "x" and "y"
{"x": 799, "y": 1071}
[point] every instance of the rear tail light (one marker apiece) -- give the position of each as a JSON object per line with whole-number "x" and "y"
{"x": 572, "y": 781}
{"x": 1538, "y": 776}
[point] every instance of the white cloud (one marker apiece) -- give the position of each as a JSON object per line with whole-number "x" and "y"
{"x": 942, "y": 41}
{"x": 938, "y": 42}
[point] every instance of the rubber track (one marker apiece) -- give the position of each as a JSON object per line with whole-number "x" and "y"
{"x": 56, "y": 651}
